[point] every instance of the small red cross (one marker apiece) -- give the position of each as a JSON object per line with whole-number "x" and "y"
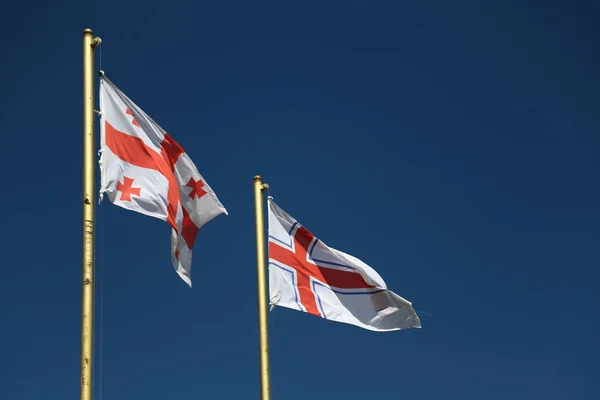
{"x": 196, "y": 186}
{"x": 126, "y": 188}
{"x": 305, "y": 270}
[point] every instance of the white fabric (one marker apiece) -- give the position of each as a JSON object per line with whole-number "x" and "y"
{"x": 139, "y": 157}
{"x": 375, "y": 308}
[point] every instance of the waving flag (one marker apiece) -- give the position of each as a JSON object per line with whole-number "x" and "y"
{"x": 307, "y": 275}
{"x": 144, "y": 170}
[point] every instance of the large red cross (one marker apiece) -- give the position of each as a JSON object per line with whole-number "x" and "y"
{"x": 133, "y": 150}
{"x": 305, "y": 270}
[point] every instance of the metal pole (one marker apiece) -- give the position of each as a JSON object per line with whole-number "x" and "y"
{"x": 87, "y": 313}
{"x": 259, "y": 186}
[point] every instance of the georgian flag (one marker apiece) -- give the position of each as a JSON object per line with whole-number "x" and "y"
{"x": 144, "y": 170}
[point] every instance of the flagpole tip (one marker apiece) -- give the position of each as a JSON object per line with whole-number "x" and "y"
{"x": 95, "y": 40}
{"x": 257, "y": 177}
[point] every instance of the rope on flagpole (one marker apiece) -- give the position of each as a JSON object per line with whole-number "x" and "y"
{"x": 101, "y": 255}
{"x": 101, "y": 271}
{"x": 101, "y": 150}
{"x": 275, "y": 299}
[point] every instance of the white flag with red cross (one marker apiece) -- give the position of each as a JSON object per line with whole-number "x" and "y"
{"x": 307, "y": 275}
{"x": 143, "y": 169}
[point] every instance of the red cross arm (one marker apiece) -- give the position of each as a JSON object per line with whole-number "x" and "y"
{"x": 333, "y": 277}
{"x": 171, "y": 150}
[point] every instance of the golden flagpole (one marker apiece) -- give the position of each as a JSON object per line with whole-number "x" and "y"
{"x": 265, "y": 388}
{"x": 87, "y": 312}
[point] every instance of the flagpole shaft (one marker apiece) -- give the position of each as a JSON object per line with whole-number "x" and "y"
{"x": 259, "y": 186}
{"x": 87, "y": 312}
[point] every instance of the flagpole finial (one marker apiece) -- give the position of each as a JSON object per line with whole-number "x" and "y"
{"x": 95, "y": 40}
{"x": 258, "y": 179}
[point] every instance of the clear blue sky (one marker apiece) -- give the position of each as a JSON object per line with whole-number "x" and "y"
{"x": 454, "y": 146}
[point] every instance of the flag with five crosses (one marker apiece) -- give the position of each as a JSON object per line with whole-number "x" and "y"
{"x": 307, "y": 275}
{"x": 144, "y": 170}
